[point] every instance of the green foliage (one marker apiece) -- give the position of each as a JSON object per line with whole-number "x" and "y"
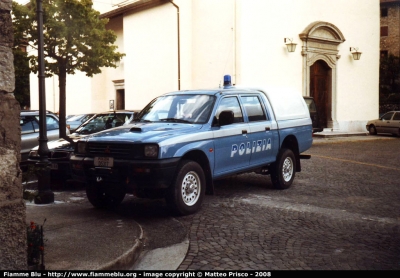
{"x": 74, "y": 36}
{"x": 21, "y": 67}
{"x": 21, "y": 63}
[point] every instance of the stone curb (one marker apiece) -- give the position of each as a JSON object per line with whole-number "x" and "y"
{"x": 129, "y": 258}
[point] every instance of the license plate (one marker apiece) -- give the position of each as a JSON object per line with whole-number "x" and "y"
{"x": 54, "y": 166}
{"x": 104, "y": 162}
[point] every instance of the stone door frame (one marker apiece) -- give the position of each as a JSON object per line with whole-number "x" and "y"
{"x": 320, "y": 42}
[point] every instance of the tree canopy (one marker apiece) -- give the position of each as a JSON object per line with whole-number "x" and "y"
{"x": 22, "y": 71}
{"x": 75, "y": 38}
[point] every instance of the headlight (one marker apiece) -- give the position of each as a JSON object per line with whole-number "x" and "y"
{"x": 151, "y": 151}
{"x": 34, "y": 154}
{"x": 81, "y": 148}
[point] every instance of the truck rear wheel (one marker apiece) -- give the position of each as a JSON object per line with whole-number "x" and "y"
{"x": 102, "y": 195}
{"x": 188, "y": 189}
{"x": 284, "y": 169}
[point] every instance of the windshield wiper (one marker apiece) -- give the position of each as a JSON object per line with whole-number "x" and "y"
{"x": 175, "y": 120}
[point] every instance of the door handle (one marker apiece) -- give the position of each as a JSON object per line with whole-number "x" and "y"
{"x": 267, "y": 128}
{"x": 244, "y": 131}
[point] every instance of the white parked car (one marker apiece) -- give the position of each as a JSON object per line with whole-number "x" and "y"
{"x": 387, "y": 123}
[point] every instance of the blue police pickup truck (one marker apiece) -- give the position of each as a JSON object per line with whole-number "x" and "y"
{"x": 182, "y": 141}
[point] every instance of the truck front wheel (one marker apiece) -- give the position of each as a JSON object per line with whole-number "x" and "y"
{"x": 188, "y": 189}
{"x": 102, "y": 195}
{"x": 284, "y": 169}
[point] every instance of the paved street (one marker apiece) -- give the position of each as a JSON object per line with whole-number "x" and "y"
{"x": 341, "y": 213}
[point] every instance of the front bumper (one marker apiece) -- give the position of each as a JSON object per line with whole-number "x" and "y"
{"x": 135, "y": 174}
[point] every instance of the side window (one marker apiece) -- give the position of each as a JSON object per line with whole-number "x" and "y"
{"x": 51, "y": 123}
{"x": 396, "y": 117}
{"x": 253, "y": 108}
{"x": 387, "y": 116}
{"x": 26, "y": 124}
{"x": 230, "y": 103}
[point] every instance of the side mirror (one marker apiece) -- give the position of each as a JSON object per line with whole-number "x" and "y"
{"x": 226, "y": 117}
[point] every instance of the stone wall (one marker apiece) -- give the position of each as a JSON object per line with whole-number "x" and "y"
{"x": 13, "y": 254}
{"x": 391, "y": 43}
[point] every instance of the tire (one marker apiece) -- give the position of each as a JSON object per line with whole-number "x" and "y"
{"x": 372, "y": 130}
{"x": 283, "y": 170}
{"x": 188, "y": 189}
{"x": 102, "y": 195}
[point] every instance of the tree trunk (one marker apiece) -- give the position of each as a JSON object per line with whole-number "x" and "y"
{"x": 62, "y": 81}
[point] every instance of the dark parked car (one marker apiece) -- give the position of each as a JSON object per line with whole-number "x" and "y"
{"x": 388, "y": 123}
{"x": 29, "y": 123}
{"x": 312, "y": 107}
{"x": 61, "y": 149}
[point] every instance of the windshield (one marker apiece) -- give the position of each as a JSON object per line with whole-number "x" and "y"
{"x": 194, "y": 109}
{"x": 104, "y": 121}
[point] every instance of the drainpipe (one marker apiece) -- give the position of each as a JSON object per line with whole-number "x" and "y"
{"x": 179, "y": 47}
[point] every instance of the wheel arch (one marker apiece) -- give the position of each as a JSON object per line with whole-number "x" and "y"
{"x": 202, "y": 159}
{"x": 290, "y": 142}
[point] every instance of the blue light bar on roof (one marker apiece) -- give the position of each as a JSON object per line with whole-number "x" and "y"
{"x": 227, "y": 80}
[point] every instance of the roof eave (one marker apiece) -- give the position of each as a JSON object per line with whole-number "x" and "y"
{"x": 136, "y": 6}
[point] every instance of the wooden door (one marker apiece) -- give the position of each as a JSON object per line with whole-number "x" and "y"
{"x": 319, "y": 81}
{"x": 121, "y": 99}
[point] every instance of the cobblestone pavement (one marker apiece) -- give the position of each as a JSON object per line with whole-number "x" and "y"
{"x": 341, "y": 213}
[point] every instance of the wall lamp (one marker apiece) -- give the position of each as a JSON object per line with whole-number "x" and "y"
{"x": 291, "y": 47}
{"x": 356, "y": 54}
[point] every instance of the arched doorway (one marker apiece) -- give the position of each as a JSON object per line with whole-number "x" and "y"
{"x": 320, "y": 79}
{"x": 320, "y": 54}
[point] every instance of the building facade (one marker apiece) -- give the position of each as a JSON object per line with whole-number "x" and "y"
{"x": 390, "y": 27}
{"x": 192, "y": 44}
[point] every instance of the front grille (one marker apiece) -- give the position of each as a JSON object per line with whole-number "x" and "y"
{"x": 130, "y": 151}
